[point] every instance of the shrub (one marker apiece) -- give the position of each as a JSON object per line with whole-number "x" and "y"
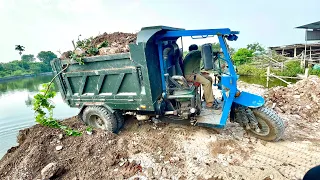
{"x": 242, "y": 56}
{"x": 292, "y": 68}
{"x": 250, "y": 70}
{"x": 314, "y": 72}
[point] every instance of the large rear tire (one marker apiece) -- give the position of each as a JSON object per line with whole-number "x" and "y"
{"x": 270, "y": 124}
{"x": 100, "y": 117}
{"x": 120, "y": 119}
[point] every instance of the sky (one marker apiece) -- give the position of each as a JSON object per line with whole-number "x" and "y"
{"x": 51, "y": 25}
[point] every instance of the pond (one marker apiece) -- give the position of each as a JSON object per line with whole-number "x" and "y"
{"x": 16, "y": 109}
{"x": 263, "y": 81}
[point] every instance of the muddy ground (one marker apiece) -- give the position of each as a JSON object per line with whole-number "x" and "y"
{"x": 165, "y": 151}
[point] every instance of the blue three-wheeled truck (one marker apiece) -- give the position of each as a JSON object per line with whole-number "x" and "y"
{"x": 149, "y": 83}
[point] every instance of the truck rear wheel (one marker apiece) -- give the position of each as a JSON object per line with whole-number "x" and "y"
{"x": 120, "y": 119}
{"x": 270, "y": 124}
{"x": 100, "y": 117}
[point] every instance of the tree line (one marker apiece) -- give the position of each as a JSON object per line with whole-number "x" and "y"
{"x": 27, "y": 64}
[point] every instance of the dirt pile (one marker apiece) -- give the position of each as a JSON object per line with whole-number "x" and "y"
{"x": 147, "y": 150}
{"x": 117, "y": 42}
{"x": 46, "y": 153}
{"x": 301, "y": 98}
{"x": 155, "y": 151}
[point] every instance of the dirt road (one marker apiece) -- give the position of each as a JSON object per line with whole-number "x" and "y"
{"x": 164, "y": 151}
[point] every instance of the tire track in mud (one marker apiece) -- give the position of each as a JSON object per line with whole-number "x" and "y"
{"x": 291, "y": 160}
{"x": 268, "y": 160}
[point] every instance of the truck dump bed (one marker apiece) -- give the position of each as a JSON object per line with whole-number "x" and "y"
{"x": 125, "y": 81}
{"x": 113, "y": 80}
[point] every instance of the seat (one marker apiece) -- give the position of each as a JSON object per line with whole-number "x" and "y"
{"x": 191, "y": 64}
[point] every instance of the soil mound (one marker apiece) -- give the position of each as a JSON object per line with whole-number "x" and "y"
{"x": 301, "y": 98}
{"x": 118, "y": 42}
{"x": 45, "y": 153}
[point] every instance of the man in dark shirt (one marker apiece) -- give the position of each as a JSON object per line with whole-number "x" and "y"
{"x": 191, "y": 65}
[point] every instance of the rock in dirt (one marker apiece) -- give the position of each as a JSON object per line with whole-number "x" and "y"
{"x": 58, "y": 148}
{"x": 49, "y": 170}
{"x": 150, "y": 172}
{"x": 60, "y": 136}
{"x": 174, "y": 159}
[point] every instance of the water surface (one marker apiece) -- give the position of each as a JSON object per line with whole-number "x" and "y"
{"x": 263, "y": 81}
{"x": 16, "y": 110}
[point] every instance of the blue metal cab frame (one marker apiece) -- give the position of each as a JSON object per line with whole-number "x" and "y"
{"x": 228, "y": 81}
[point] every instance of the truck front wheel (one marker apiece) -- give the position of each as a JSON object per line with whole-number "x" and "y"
{"x": 100, "y": 117}
{"x": 271, "y": 126}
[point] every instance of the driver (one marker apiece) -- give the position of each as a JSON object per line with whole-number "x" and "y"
{"x": 192, "y": 73}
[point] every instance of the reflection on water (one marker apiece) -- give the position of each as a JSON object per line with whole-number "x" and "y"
{"x": 263, "y": 81}
{"x": 16, "y": 108}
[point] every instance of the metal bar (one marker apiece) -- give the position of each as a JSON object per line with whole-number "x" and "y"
{"x": 161, "y": 61}
{"x": 118, "y": 83}
{"x": 55, "y": 65}
{"x": 180, "y": 96}
{"x": 112, "y": 57}
{"x": 101, "y": 72}
{"x": 66, "y": 79}
{"x": 201, "y": 32}
{"x": 227, "y": 55}
{"x": 100, "y": 81}
{"x": 139, "y": 81}
{"x": 82, "y": 84}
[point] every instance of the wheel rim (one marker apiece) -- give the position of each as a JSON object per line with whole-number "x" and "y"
{"x": 97, "y": 122}
{"x": 263, "y": 126}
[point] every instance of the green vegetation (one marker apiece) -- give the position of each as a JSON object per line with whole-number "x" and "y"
{"x": 314, "y": 72}
{"x": 43, "y": 106}
{"x": 20, "y": 49}
{"x": 86, "y": 47}
{"x": 256, "y": 48}
{"x": 28, "y": 58}
{"x": 242, "y": 56}
{"x": 292, "y": 68}
{"x": 46, "y": 57}
{"x": 89, "y": 129}
{"x": 252, "y": 61}
{"x": 27, "y": 65}
{"x": 250, "y": 70}
{"x": 16, "y": 68}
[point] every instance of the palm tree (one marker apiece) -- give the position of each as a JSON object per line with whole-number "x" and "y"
{"x": 20, "y": 49}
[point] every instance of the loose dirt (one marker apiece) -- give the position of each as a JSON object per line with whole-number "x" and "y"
{"x": 118, "y": 42}
{"x": 144, "y": 150}
{"x": 301, "y": 99}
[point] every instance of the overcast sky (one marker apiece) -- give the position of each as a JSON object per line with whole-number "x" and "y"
{"x": 52, "y": 24}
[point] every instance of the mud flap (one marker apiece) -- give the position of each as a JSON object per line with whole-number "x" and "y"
{"x": 249, "y": 100}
